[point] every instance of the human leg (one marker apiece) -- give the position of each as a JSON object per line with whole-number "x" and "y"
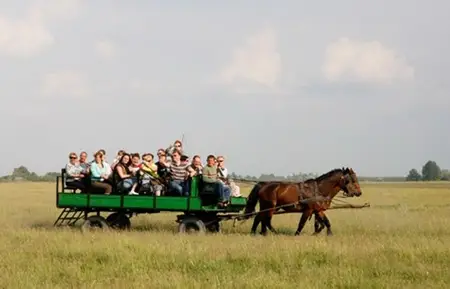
{"x": 107, "y": 188}
{"x": 176, "y": 187}
{"x": 157, "y": 189}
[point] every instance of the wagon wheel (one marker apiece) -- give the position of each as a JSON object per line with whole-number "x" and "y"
{"x": 192, "y": 225}
{"x": 119, "y": 221}
{"x": 214, "y": 227}
{"x": 94, "y": 223}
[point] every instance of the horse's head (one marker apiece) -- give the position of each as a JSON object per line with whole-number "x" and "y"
{"x": 349, "y": 183}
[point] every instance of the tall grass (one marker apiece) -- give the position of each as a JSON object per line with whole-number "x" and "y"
{"x": 401, "y": 241}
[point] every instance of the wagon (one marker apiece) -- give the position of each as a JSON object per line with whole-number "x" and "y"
{"x": 198, "y": 211}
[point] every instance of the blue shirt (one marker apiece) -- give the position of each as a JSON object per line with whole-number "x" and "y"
{"x": 97, "y": 171}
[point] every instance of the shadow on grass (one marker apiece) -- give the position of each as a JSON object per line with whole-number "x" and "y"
{"x": 156, "y": 227}
{"x": 164, "y": 227}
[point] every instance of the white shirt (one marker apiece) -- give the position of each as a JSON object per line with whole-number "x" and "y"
{"x": 224, "y": 172}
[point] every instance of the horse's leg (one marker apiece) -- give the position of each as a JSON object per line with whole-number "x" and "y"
{"x": 326, "y": 221}
{"x": 269, "y": 223}
{"x": 306, "y": 214}
{"x": 318, "y": 222}
{"x": 263, "y": 224}
{"x": 256, "y": 222}
{"x": 269, "y": 219}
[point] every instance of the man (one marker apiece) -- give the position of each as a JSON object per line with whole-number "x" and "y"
{"x": 84, "y": 163}
{"x": 195, "y": 169}
{"x": 209, "y": 175}
{"x": 178, "y": 172}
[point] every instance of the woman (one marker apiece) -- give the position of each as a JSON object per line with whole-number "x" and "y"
{"x": 100, "y": 174}
{"x": 117, "y": 159}
{"x": 123, "y": 176}
{"x": 74, "y": 172}
{"x": 222, "y": 173}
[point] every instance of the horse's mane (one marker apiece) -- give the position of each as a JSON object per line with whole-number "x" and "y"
{"x": 326, "y": 175}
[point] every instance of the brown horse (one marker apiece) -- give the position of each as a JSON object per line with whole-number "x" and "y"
{"x": 311, "y": 196}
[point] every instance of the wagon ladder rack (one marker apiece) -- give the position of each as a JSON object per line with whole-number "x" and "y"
{"x": 68, "y": 217}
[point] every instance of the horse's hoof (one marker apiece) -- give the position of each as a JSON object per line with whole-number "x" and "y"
{"x": 263, "y": 234}
{"x": 329, "y": 234}
{"x": 297, "y": 234}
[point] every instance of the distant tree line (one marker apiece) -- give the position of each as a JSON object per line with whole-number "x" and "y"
{"x": 23, "y": 174}
{"x": 429, "y": 172}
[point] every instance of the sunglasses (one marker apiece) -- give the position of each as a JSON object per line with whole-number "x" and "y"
{"x": 73, "y": 157}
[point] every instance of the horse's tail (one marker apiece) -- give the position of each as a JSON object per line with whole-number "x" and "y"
{"x": 252, "y": 200}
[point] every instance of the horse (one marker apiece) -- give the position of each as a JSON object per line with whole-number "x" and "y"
{"x": 311, "y": 196}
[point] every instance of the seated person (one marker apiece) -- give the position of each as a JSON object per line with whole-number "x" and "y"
{"x": 123, "y": 176}
{"x": 135, "y": 164}
{"x": 209, "y": 176}
{"x": 149, "y": 175}
{"x": 177, "y": 146}
{"x": 195, "y": 168}
{"x": 178, "y": 183}
{"x": 100, "y": 174}
{"x": 117, "y": 159}
{"x": 74, "y": 173}
{"x": 223, "y": 176}
{"x": 163, "y": 166}
{"x": 84, "y": 163}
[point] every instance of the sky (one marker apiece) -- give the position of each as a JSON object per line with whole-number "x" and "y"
{"x": 275, "y": 86}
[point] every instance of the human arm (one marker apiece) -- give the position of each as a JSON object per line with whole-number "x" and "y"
{"x": 209, "y": 174}
{"x": 122, "y": 173}
{"x": 191, "y": 172}
{"x": 108, "y": 170}
{"x": 74, "y": 171}
{"x": 95, "y": 171}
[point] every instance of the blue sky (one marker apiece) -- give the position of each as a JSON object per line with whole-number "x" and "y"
{"x": 275, "y": 86}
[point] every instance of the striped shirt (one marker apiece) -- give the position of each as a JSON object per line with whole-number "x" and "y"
{"x": 178, "y": 172}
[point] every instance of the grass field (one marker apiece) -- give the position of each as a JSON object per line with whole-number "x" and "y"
{"x": 401, "y": 241}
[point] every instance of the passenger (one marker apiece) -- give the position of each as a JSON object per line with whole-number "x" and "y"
{"x": 177, "y": 145}
{"x": 84, "y": 163}
{"x": 209, "y": 174}
{"x": 149, "y": 174}
{"x": 117, "y": 159}
{"x": 99, "y": 174}
{"x": 123, "y": 176}
{"x": 74, "y": 172}
{"x": 196, "y": 167}
{"x": 163, "y": 165}
{"x": 135, "y": 164}
{"x": 178, "y": 173}
{"x": 222, "y": 171}
{"x": 103, "y": 152}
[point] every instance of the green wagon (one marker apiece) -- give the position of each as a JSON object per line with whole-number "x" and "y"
{"x": 197, "y": 212}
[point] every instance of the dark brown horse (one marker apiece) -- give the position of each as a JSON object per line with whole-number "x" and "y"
{"x": 311, "y": 196}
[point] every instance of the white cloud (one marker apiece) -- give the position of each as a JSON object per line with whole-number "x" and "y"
{"x": 351, "y": 60}
{"x": 65, "y": 84}
{"x": 257, "y": 61}
{"x": 30, "y": 35}
{"x": 105, "y": 49}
